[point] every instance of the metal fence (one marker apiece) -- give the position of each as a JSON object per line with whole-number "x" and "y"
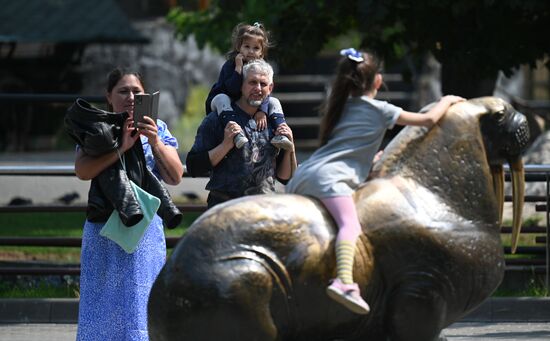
{"x": 53, "y": 269}
{"x": 538, "y": 257}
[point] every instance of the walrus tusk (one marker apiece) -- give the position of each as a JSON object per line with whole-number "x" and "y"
{"x": 498, "y": 186}
{"x": 518, "y": 191}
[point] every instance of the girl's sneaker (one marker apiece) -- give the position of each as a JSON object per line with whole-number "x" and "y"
{"x": 240, "y": 140}
{"x": 282, "y": 142}
{"x": 348, "y": 295}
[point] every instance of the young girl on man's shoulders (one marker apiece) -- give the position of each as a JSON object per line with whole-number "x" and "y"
{"x": 250, "y": 42}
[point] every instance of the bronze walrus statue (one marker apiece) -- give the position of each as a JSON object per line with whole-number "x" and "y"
{"x": 256, "y": 268}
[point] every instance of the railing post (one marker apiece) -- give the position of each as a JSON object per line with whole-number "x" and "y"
{"x": 547, "y": 274}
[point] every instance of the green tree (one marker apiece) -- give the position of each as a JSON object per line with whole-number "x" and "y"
{"x": 472, "y": 39}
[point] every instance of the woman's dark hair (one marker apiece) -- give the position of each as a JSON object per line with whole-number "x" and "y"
{"x": 116, "y": 75}
{"x": 352, "y": 79}
{"x": 243, "y": 31}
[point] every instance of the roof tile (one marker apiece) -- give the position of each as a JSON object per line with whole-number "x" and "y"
{"x": 66, "y": 21}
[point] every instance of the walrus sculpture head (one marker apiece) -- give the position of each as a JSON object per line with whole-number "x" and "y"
{"x": 256, "y": 268}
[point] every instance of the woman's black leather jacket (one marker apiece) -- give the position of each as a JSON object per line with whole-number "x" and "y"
{"x": 97, "y": 132}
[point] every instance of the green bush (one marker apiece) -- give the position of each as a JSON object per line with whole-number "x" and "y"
{"x": 534, "y": 288}
{"x": 55, "y": 225}
{"x": 186, "y": 127}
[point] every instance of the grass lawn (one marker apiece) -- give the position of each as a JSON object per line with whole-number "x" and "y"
{"x": 39, "y": 289}
{"x": 41, "y": 225}
{"x": 49, "y": 225}
{"x": 53, "y": 225}
{"x": 535, "y": 287}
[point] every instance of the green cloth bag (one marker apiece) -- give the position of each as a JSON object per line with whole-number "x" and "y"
{"x": 128, "y": 238}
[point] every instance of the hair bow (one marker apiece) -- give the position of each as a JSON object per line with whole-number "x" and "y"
{"x": 352, "y": 54}
{"x": 257, "y": 24}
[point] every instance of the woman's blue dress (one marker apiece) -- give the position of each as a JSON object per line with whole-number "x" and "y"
{"x": 115, "y": 285}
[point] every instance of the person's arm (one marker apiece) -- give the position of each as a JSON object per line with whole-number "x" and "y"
{"x": 208, "y": 151}
{"x": 168, "y": 162}
{"x": 88, "y": 167}
{"x": 261, "y": 115}
{"x": 232, "y": 80}
{"x": 217, "y": 153}
{"x": 287, "y": 165}
{"x": 431, "y": 117}
{"x": 198, "y": 163}
{"x": 261, "y": 120}
{"x": 265, "y": 105}
{"x": 167, "y": 159}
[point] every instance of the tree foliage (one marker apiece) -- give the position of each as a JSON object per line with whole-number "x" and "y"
{"x": 299, "y": 28}
{"x": 481, "y": 36}
{"x": 478, "y": 37}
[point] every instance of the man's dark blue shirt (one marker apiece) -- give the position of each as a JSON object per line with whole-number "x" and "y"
{"x": 249, "y": 170}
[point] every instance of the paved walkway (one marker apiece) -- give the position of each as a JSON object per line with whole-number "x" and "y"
{"x": 509, "y": 331}
{"x": 37, "y": 332}
{"x": 457, "y": 332}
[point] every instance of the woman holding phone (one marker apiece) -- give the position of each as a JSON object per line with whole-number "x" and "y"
{"x": 115, "y": 285}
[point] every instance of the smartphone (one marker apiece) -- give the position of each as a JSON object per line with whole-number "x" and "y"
{"x": 142, "y": 103}
{"x": 154, "y": 105}
{"x": 145, "y": 105}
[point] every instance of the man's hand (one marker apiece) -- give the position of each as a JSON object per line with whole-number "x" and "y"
{"x": 285, "y": 130}
{"x": 231, "y": 129}
{"x": 217, "y": 153}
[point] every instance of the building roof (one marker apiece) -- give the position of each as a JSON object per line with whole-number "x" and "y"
{"x": 65, "y": 21}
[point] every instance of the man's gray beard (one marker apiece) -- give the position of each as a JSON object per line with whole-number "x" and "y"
{"x": 255, "y": 103}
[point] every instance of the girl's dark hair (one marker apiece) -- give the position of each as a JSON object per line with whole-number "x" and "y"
{"x": 243, "y": 31}
{"x": 116, "y": 75}
{"x": 352, "y": 79}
